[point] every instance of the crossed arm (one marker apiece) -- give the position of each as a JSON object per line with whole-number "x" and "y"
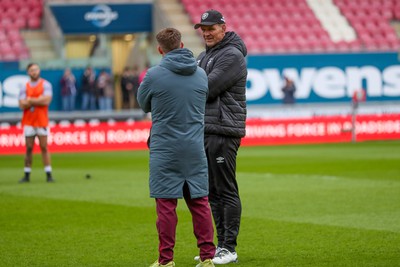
{"x": 43, "y": 100}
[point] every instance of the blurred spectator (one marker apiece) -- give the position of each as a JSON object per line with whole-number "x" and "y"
{"x": 126, "y": 88}
{"x": 143, "y": 73}
{"x": 288, "y": 91}
{"x": 88, "y": 89}
{"x": 134, "y": 74}
{"x": 68, "y": 90}
{"x": 129, "y": 86}
{"x": 105, "y": 90}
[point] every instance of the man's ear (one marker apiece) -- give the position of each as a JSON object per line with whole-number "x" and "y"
{"x": 181, "y": 44}
{"x": 160, "y": 50}
{"x": 223, "y": 27}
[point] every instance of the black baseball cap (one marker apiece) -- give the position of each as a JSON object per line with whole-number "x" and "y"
{"x": 210, "y": 17}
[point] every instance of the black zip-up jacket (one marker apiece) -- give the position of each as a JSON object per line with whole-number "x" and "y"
{"x": 226, "y": 68}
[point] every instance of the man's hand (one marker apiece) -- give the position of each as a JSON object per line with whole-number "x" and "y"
{"x": 30, "y": 100}
{"x": 24, "y": 104}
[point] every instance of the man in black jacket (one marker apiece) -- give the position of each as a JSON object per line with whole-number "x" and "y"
{"x": 225, "y": 122}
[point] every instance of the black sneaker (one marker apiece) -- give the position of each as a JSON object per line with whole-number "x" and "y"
{"x": 50, "y": 179}
{"x": 24, "y": 180}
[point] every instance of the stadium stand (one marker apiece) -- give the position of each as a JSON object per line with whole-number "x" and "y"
{"x": 371, "y": 20}
{"x": 17, "y": 15}
{"x": 269, "y": 26}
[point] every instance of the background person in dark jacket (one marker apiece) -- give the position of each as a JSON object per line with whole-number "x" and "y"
{"x": 288, "y": 91}
{"x": 175, "y": 93}
{"x": 105, "y": 90}
{"x": 225, "y": 122}
{"x": 129, "y": 86}
{"x": 88, "y": 88}
{"x": 68, "y": 90}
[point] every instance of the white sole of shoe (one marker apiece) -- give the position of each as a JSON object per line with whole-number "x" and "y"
{"x": 235, "y": 261}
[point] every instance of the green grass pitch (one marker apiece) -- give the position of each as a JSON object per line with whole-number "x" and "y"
{"x": 304, "y": 205}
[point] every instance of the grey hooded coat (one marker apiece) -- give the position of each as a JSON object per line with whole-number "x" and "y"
{"x": 175, "y": 93}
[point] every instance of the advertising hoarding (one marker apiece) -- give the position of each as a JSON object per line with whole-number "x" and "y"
{"x": 103, "y": 18}
{"x": 323, "y": 77}
{"x": 133, "y": 135}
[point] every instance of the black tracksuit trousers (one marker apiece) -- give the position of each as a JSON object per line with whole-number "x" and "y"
{"x": 223, "y": 196}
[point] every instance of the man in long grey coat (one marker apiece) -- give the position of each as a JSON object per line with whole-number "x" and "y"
{"x": 175, "y": 93}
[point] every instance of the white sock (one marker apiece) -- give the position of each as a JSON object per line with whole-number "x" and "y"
{"x": 47, "y": 168}
{"x": 27, "y": 169}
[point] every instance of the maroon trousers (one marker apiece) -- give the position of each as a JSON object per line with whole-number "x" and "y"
{"x": 167, "y": 221}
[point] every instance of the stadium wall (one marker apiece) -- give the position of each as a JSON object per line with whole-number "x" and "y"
{"x": 319, "y": 78}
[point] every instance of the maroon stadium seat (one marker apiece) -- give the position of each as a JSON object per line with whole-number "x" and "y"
{"x": 17, "y": 15}
{"x": 291, "y": 26}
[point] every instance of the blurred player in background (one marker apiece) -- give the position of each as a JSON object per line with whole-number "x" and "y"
{"x": 34, "y": 100}
{"x": 175, "y": 93}
{"x": 225, "y": 125}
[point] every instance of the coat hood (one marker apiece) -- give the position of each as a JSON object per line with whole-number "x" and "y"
{"x": 180, "y": 61}
{"x": 231, "y": 38}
